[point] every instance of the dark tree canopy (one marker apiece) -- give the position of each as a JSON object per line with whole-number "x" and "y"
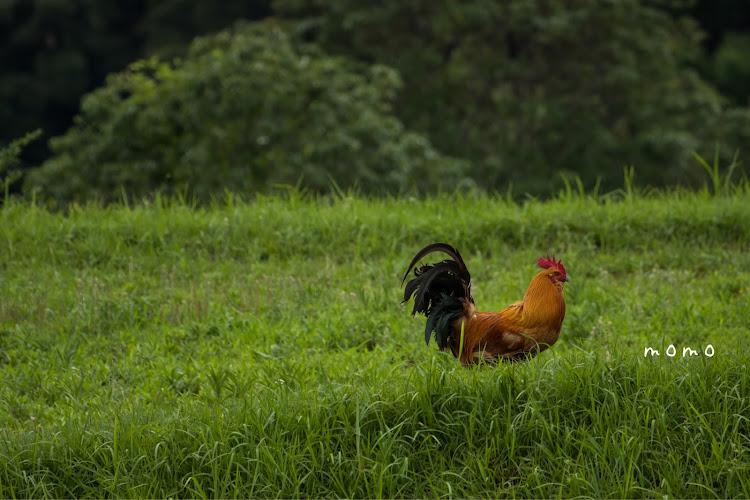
{"x": 521, "y": 91}
{"x": 53, "y": 52}
{"x": 244, "y": 110}
{"x": 529, "y": 89}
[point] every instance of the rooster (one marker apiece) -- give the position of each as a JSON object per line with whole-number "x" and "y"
{"x": 442, "y": 292}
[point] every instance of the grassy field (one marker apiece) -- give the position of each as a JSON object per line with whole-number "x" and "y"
{"x": 260, "y": 350}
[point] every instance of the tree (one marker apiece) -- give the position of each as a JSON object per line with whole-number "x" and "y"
{"x": 244, "y": 110}
{"x": 9, "y": 160}
{"x": 528, "y": 89}
{"x": 53, "y": 52}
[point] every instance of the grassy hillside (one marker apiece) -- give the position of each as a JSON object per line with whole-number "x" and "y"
{"x": 260, "y": 350}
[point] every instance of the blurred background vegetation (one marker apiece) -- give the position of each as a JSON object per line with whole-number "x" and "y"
{"x": 186, "y": 96}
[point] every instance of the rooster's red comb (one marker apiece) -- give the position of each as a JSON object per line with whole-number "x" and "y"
{"x": 547, "y": 263}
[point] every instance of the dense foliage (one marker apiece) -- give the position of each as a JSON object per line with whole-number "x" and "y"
{"x": 522, "y": 91}
{"x": 528, "y": 89}
{"x": 51, "y": 53}
{"x": 244, "y": 110}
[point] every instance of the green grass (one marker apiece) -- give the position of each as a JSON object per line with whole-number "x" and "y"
{"x": 260, "y": 350}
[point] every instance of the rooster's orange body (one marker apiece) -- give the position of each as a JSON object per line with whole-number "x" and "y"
{"x": 442, "y": 292}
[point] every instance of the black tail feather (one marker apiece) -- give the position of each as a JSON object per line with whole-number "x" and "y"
{"x": 440, "y": 317}
{"x": 445, "y": 248}
{"x": 440, "y": 291}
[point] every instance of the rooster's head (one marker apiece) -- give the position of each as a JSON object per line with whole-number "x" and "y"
{"x": 555, "y": 270}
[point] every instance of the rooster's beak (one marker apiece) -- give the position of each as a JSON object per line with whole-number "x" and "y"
{"x": 565, "y": 278}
